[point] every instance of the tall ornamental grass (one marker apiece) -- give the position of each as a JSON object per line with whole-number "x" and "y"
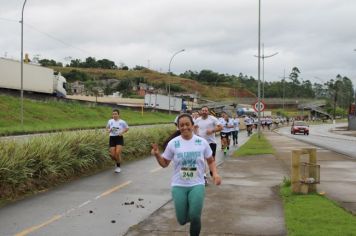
{"x": 44, "y": 161}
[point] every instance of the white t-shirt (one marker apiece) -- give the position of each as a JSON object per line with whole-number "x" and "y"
{"x": 188, "y": 158}
{"x": 207, "y": 124}
{"x": 236, "y": 124}
{"x": 248, "y": 121}
{"x": 116, "y": 127}
{"x": 225, "y": 123}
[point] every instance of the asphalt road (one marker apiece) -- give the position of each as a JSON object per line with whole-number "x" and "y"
{"x": 321, "y": 135}
{"x": 102, "y": 204}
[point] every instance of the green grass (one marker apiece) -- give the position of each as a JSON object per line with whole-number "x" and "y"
{"x": 44, "y": 116}
{"x": 44, "y": 161}
{"x": 255, "y": 146}
{"x": 315, "y": 215}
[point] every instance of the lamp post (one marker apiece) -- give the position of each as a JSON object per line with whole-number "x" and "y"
{"x": 284, "y": 87}
{"x": 169, "y": 83}
{"x": 259, "y": 70}
{"x": 23, "y": 8}
{"x": 263, "y": 70}
{"x": 355, "y": 97}
{"x": 303, "y": 101}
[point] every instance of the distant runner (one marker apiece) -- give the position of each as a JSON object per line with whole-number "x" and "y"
{"x": 236, "y": 129}
{"x": 227, "y": 124}
{"x": 206, "y": 126}
{"x": 116, "y": 127}
{"x": 249, "y": 123}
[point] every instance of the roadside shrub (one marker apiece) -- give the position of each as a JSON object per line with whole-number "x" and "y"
{"x": 44, "y": 161}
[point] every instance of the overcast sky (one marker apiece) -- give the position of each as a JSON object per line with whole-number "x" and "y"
{"x": 317, "y": 36}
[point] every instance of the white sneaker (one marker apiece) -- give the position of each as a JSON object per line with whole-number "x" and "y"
{"x": 117, "y": 170}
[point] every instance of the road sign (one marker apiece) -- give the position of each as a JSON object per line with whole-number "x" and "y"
{"x": 262, "y": 106}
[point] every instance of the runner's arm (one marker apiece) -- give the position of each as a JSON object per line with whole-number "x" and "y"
{"x": 124, "y": 131}
{"x": 161, "y": 161}
{"x": 212, "y": 168}
{"x": 218, "y": 128}
{"x": 196, "y": 127}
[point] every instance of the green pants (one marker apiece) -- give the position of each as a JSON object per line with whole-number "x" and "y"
{"x": 188, "y": 202}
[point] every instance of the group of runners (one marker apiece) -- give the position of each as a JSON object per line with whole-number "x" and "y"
{"x": 228, "y": 127}
{"x": 189, "y": 148}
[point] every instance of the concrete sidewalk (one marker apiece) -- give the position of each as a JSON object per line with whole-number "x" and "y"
{"x": 248, "y": 203}
{"x": 337, "y": 171}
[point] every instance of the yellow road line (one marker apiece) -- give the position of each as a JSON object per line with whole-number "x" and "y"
{"x": 114, "y": 189}
{"x": 157, "y": 169}
{"x": 57, "y": 217}
{"x": 34, "y": 228}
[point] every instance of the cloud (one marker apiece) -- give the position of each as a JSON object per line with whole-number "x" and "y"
{"x": 316, "y": 36}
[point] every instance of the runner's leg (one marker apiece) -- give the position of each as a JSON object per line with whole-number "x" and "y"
{"x": 196, "y": 201}
{"x": 180, "y": 199}
{"x": 213, "y": 149}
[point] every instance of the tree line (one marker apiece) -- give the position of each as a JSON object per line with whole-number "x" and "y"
{"x": 338, "y": 91}
{"x": 89, "y": 62}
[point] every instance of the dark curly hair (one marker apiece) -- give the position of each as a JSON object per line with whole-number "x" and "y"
{"x": 177, "y": 132}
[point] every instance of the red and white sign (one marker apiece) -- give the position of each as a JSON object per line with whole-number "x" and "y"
{"x": 262, "y": 106}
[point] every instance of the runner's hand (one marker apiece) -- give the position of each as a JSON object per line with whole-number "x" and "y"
{"x": 155, "y": 149}
{"x": 217, "y": 179}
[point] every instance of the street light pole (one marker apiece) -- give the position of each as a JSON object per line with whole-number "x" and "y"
{"x": 23, "y": 8}
{"x": 284, "y": 88}
{"x": 169, "y": 83}
{"x": 263, "y": 68}
{"x": 259, "y": 70}
{"x": 355, "y": 93}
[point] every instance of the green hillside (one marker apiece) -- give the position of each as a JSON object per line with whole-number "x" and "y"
{"x": 157, "y": 79}
{"x": 42, "y": 116}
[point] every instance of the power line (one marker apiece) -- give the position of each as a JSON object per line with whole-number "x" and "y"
{"x": 59, "y": 40}
{"x": 11, "y": 20}
{"x": 50, "y": 36}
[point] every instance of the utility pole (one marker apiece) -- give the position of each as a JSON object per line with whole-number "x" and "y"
{"x": 263, "y": 68}
{"x": 259, "y": 71}
{"x": 284, "y": 88}
{"x": 23, "y": 8}
{"x": 169, "y": 83}
{"x": 263, "y": 71}
{"x": 355, "y": 103}
{"x": 335, "y": 100}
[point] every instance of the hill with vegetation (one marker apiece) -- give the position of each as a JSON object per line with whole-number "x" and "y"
{"x": 338, "y": 92}
{"x": 105, "y": 77}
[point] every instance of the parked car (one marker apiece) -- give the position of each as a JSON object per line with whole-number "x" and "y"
{"x": 299, "y": 127}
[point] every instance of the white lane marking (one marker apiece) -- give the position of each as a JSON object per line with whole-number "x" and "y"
{"x": 84, "y": 203}
{"x": 69, "y": 211}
